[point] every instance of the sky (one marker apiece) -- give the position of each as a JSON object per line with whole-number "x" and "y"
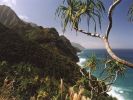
{"x": 42, "y": 12}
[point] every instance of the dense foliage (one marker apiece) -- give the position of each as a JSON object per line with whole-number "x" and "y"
{"x": 24, "y": 82}
{"x": 30, "y": 69}
{"x": 38, "y": 64}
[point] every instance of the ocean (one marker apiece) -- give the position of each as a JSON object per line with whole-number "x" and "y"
{"x": 123, "y": 87}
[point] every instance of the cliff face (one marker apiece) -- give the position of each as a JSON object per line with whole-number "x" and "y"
{"x": 49, "y": 37}
{"x": 77, "y": 46}
{"x": 8, "y": 17}
{"x": 33, "y": 59}
{"x": 41, "y": 47}
{"x": 46, "y": 37}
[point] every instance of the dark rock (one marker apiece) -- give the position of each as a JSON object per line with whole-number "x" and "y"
{"x": 9, "y": 18}
{"x": 67, "y": 48}
{"x": 77, "y": 46}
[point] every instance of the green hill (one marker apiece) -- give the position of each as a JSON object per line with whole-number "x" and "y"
{"x": 34, "y": 59}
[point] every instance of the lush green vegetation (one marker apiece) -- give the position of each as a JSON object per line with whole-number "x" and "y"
{"x": 23, "y": 59}
{"x": 25, "y": 81}
{"x": 30, "y": 69}
{"x": 38, "y": 64}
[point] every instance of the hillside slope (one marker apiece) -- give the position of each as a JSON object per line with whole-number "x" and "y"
{"x": 41, "y": 47}
{"x": 77, "y": 46}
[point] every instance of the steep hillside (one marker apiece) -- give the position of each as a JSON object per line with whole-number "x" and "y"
{"x": 8, "y": 17}
{"x": 38, "y": 64}
{"x": 46, "y": 37}
{"x": 16, "y": 49}
{"x": 32, "y": 66}
{"x": 41, "y": 47}
{"x": 77, "y": 46}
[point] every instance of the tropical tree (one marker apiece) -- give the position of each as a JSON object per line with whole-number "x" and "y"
{"x": 74, "y": 11}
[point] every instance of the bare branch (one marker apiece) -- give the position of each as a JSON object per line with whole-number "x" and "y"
{"x": 105, "y": 38}
{"x": 115, "y": 57}
{"x": 108, "y": 77}
{"x": 111, "y": 9}
{"x": 90, "y": 34}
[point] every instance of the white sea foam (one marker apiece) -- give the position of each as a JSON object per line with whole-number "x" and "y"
{"x": 81, "y": 61}
{"x": 121, "y": 93}
{"x": 117, "y": 92}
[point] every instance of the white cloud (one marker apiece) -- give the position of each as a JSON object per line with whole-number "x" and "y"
{"x": 23, "y": 17}
{"x": 10, "y": 3}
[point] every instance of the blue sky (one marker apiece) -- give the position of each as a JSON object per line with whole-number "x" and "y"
{"x": 42, "y": 12}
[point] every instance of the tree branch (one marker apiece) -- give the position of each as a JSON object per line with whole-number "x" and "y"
{"x": 105, "y": 38}
{"x": 111, "y": 53}
{"x": 88, "y": 33}
{"x": 111, "y": 9}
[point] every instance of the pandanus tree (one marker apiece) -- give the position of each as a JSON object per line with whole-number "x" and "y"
{"x": 74, "y": 11}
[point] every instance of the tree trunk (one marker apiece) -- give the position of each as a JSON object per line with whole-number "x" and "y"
{"x": 112, "y": 54}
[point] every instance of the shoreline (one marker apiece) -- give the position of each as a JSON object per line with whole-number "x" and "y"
{"x": 114, "y": 92}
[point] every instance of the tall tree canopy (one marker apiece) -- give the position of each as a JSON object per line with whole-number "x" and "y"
{"x": 74, "y": 11}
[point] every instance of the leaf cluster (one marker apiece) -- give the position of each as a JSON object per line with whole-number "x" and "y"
{"x": 73, "y": 10}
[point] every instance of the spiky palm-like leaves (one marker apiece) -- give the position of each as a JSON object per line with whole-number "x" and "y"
{"x": 114, "y": 66}
{"x": 91, "y": 63}
{"x": 113, "y": 69}
{"x": 72, "y": 11}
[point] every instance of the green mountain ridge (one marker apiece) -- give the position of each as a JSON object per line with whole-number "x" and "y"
{"x": 34, "y": 59}
{"x": 42, "y": 47}
{"x": 44, "y": 36}
{"x": 8, "y": 17}
{"x": 77, "y": 46}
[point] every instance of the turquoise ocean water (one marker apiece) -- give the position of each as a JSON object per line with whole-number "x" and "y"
{"x": 123, "y": 87}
